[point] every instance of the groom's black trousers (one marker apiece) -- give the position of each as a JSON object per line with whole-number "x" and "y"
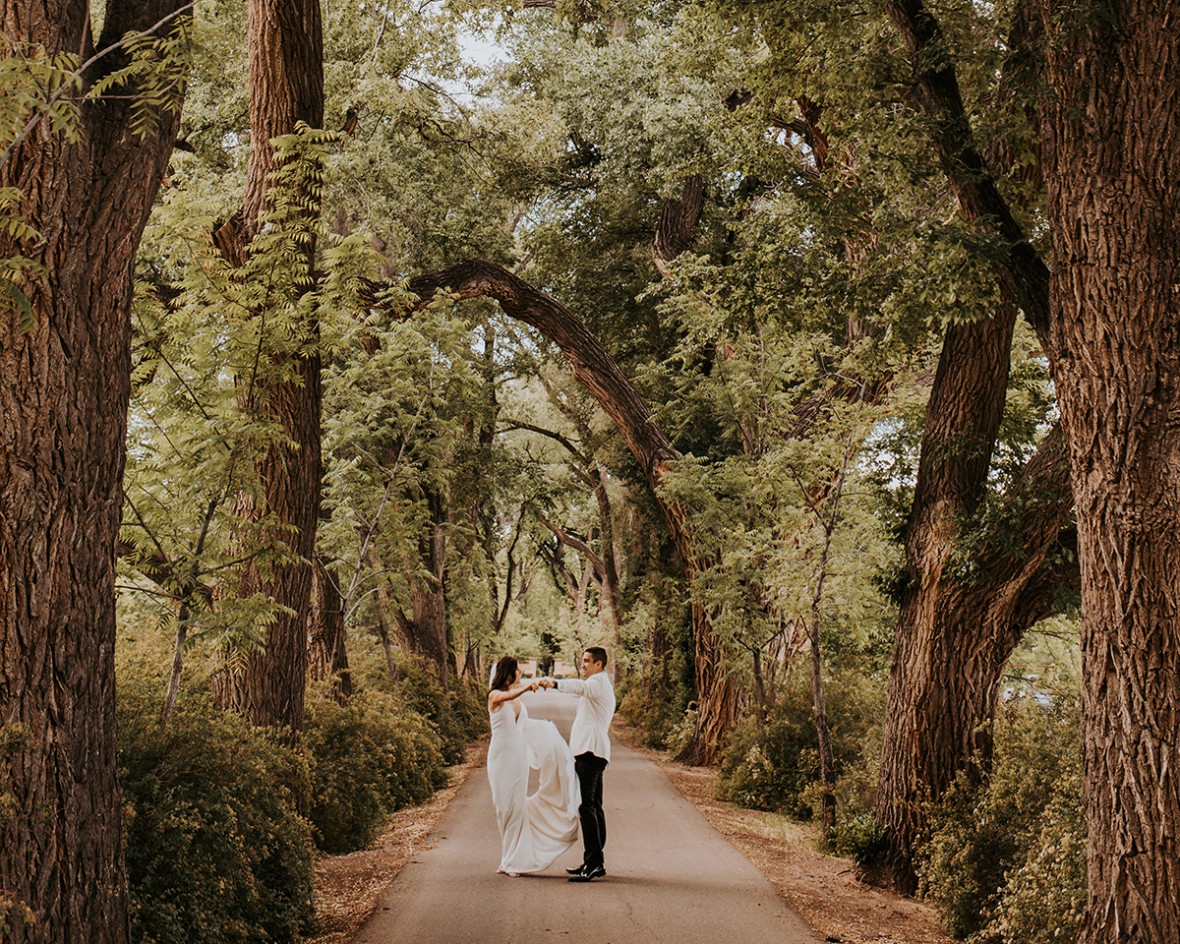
{"x": 589, "y": 768}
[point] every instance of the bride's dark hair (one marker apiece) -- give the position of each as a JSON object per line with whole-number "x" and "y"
{"x": 505, "y": 674}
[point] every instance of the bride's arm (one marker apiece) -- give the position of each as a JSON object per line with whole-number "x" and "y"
{"x": 499, "y": 697}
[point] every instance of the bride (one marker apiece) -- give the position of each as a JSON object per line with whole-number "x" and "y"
{"x": 536, "y": 829}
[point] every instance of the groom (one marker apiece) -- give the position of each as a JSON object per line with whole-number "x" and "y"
{"x": 590, "y": 744}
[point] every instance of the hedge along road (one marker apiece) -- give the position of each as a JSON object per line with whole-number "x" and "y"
{"x": 671, "y": 877}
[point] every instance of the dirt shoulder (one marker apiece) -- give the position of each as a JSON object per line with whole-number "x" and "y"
{"x": 348, "y": 887}
{"x": 820, "y": 887}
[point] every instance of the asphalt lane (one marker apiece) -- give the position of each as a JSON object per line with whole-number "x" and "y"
{"x": 670, "y": 876}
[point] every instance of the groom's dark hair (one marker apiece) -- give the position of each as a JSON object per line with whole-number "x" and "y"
{"x": 598, "y": 654}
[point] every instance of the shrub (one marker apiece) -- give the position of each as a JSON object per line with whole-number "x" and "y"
{"x": 1044, "y": 897}
{"x": 469, "y": 707}
{"x": 371, "y": 755}
{"x": 458, "y": 715}
{"x": 993, "y": 848}
{"x": 773, "y": 763}
{"x": 216, "y": 850}
{"x": 858, "y": 836}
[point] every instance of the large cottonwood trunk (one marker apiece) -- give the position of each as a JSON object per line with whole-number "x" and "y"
{"x": 63, "y": 417}
{"x": 937, "y": 691}
{"x": 285, "y": 40}
{"x": 1111, "y": 131}
{"x": 957, "y": 629}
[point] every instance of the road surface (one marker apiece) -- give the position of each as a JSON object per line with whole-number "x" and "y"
{"x": 671, "y": 877}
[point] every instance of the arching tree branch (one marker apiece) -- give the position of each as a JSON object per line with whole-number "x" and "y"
{"x": 573, "y": 541}
{"x": 590, "y": 362}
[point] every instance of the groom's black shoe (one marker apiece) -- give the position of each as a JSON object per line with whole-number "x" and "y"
{"x": 576, "y": 871}
{"x": 589, "y": 874}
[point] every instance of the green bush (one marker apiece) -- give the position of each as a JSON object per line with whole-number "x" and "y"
{"x": 371, "y": 755}
{"x": 216, "y": 850}
{"x": 469, "y": 707}
{"x": 858, "y": 836}
{"x": 655, "y": 701}
{"x": 773, "y": 763}
{"x": 1044, "y": 897}
{"x": 459, "y": 715}
{"x": 1001, "y": 854}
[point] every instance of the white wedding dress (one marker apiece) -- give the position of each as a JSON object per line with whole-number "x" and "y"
{"x": 536, "y": 829}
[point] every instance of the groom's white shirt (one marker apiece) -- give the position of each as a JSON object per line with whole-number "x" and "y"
{"x": 596, "y": 706}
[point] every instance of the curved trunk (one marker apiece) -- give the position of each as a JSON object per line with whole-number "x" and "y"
{"x": 63, "y": 418}
{"x": 955, "y": 635}
{"x": 956, "y": 632}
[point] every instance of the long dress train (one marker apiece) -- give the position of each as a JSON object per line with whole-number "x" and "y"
{"x": 536, "y": 829}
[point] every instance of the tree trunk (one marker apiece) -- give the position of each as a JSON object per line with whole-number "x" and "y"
{"x": 426, "y": 628}
{"x": 611, "y": 592}
{"x": 956, "y": 631}
{"x": 327, "y": 650}
{"x": 383, "y": 607}
{"x": 823, "y": 733}
{"x": 63, "y": 418}
{"x": 1111, "y": 133}
{"x": 677, "y": 223}
{"x": 286, "y": 86}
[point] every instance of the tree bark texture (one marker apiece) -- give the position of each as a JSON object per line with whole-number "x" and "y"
{"x": 286, "y": 86}
{"x": 595, "y": 369}
{"x": 63, "y": 417}
{"x": 677, "y": 223}
{"x": 956, "y": 630}
{"x": 1110, "y": 126}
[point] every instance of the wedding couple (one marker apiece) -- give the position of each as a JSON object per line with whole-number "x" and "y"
{"x": 536, "y": 829}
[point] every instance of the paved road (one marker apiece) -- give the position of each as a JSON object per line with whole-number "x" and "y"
{"x": 672, "y": 878}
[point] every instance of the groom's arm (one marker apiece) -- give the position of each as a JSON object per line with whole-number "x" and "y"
{"x": 571, "y": 686}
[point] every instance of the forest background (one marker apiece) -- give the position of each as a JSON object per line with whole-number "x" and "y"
{"x": 719, "y": 333}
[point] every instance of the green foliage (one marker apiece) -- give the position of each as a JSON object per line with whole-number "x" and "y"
{"x": 772, "y": 763}
{"x": 1005, "y": 861}
{"x": 458, "y": 715}
{"x": 657, "y": 692}
{"x": 371, "y": 755}
{"x": 217, "y": 852}
{"x": 1044, "y": 895}
{"x": 858, "y": 836}
{"x": 208, "y": 349}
